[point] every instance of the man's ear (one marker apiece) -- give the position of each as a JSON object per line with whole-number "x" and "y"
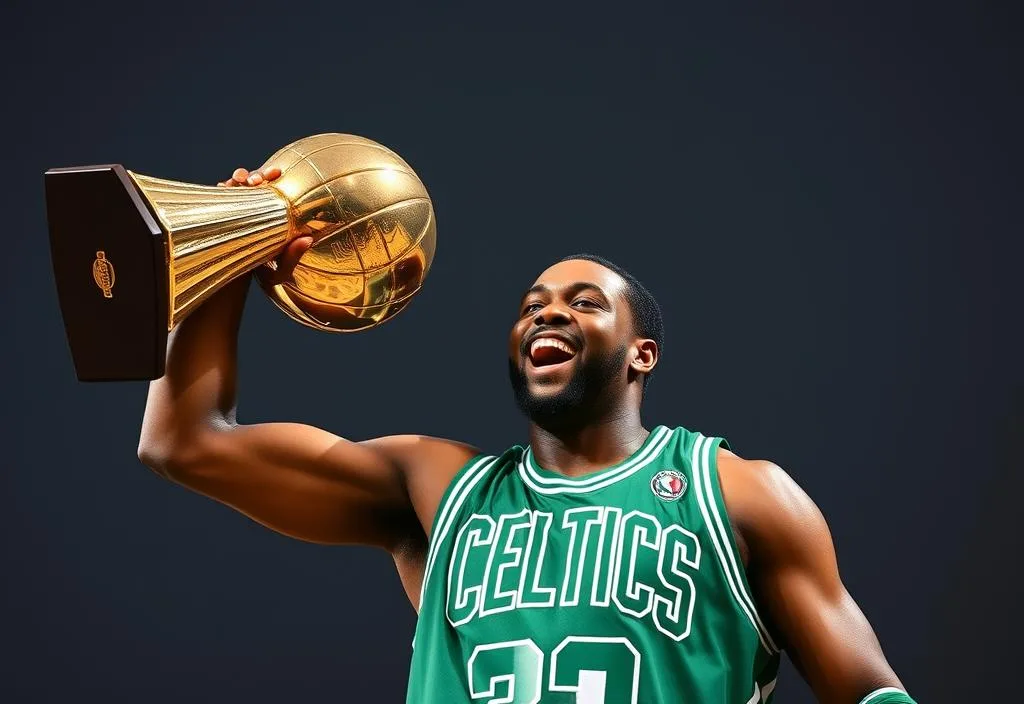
{"x": 644, "y": 356}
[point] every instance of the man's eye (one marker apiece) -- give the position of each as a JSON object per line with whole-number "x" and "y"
{"x": 584, "y": 302}
{"x": 531, "y": 307}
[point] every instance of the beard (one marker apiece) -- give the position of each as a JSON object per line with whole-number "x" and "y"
{"x": 578, "y": 400}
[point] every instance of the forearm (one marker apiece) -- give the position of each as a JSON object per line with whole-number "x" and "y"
{"x": 198, "y": 389}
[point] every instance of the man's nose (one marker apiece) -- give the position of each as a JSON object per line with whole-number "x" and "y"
{"x": 553, "y": 313}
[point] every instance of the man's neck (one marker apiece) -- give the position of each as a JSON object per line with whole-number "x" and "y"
{"x": 590, "y": 448}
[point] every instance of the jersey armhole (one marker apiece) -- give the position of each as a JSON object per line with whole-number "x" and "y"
{"x": 451, "y": 501}
{"x": 458, "y": 479}
{"x": 729, "y": 555}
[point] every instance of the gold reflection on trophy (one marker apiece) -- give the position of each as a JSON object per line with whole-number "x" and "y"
{"x": 370, "y": 216}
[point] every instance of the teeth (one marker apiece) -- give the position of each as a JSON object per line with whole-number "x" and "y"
{"x": 550, "y": 342}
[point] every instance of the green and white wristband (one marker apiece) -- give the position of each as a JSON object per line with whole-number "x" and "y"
{"x": 888, "y": 695}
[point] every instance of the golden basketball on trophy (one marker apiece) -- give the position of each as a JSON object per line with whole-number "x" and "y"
{"x": 133, "y": 255}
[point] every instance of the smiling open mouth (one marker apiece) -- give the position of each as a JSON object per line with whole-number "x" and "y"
{"x": 548, "y": 351}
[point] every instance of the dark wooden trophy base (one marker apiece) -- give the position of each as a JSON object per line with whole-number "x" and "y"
{"x": 110, "y": 264}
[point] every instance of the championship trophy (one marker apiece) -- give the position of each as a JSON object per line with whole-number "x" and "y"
{"x": 133, "y": 255}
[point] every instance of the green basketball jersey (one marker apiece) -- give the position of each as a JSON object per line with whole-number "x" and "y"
{"x": 620, "y": 587}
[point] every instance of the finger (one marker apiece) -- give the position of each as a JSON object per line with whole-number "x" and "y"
{"x": 295, "y": 249}
{"x": 289, "y": 259}
{"x": 255, "y": 179}
{"x": 239, "y": 176}
{"x": 272, "y": 173}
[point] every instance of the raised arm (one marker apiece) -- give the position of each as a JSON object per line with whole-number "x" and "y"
{"x": 298, "y": 480}
{"x": 793, "y": 569}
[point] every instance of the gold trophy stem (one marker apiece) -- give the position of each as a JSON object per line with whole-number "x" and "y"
{"x": 214, "y": 235}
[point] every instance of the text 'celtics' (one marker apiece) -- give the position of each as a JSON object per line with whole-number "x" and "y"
{"x": 600, "y": 558}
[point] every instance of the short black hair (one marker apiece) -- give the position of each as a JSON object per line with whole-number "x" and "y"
{"x": 647, "y": 322}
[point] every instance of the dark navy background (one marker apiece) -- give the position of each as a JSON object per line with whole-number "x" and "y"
{"x": 825, "y": 200}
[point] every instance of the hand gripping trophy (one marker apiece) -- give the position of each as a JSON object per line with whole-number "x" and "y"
{"x": 133, "y": 255}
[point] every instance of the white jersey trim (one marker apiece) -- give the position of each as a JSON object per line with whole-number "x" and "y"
{"x": 761, "y": 694}
{"x": 703, "y": 443}
{"x": 602, "y": 480}
{"x": 531, "y": 465}
{"x": 447, "y": 513}
{"x": 727, "y": 544}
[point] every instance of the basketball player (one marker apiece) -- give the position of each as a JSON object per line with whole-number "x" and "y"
{"x": 603, "y": 563}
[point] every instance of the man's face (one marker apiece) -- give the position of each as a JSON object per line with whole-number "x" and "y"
{"x": 568, "y": 347}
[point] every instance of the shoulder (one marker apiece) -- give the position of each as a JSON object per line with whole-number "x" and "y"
{"x": 423, "y": 454}
{"x": 747, "y": 480}
{"x": 766, "y": 505}
{"x": 427, "y": 466}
